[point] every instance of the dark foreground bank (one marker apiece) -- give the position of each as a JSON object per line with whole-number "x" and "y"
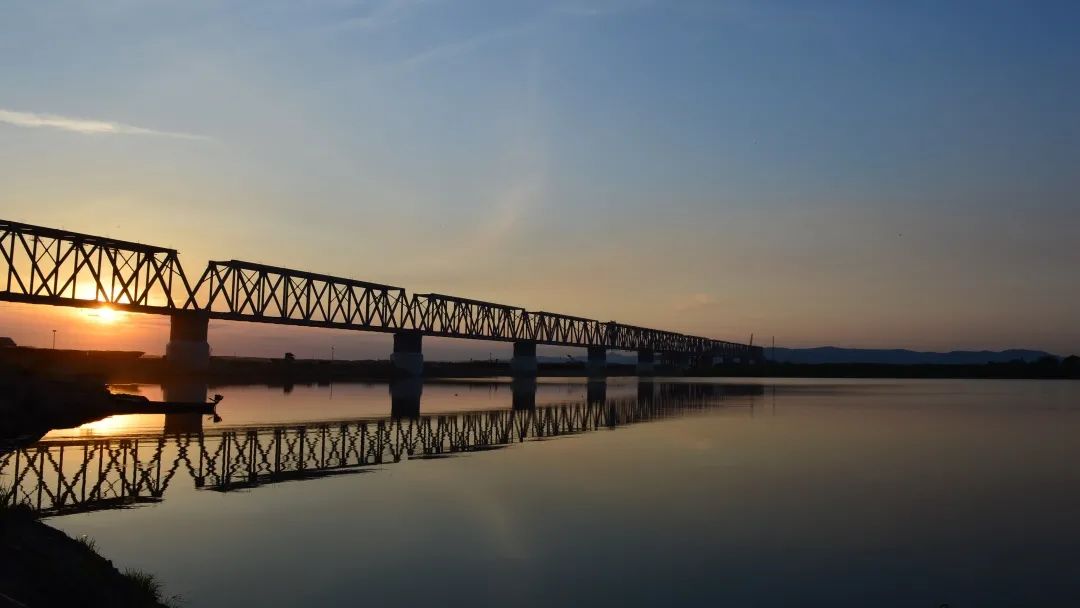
{"x": 45, "y": 567}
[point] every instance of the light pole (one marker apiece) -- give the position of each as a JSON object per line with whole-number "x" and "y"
{"x": 54, "y": 339}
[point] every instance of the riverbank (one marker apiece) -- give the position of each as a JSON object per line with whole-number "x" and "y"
{"x": 45, "y": 567}
{"x": 118, "y": 367}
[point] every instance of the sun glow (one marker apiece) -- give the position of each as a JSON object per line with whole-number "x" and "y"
{"x": 104, "y": 315}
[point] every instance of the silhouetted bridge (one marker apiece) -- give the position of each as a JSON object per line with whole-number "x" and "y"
{"x": 56, "y": 477}
{"x": 41, "y": 265}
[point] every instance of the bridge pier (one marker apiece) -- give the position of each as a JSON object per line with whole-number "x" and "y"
{"x": 597, "y": 362}
{"x": 524, "y": 362}
{"x": 523, "y": 389}
{"x": 408, "y": 357}
{"x": 188, "y": 349}
{"x": 646, "y": 363}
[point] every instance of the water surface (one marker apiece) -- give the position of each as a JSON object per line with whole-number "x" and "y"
{"x": 761, "y": 493}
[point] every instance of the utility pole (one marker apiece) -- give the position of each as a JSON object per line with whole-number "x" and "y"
{"x": 331, "y": 353}
{"x": 54, "y": 339}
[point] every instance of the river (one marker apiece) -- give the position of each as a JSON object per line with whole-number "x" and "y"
{"x": 666, "y": 492}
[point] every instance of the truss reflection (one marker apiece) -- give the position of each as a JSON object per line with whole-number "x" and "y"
{"x": 57, "y": 477}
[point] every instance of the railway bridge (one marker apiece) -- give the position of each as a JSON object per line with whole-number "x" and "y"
{"x": 40, "y": 265}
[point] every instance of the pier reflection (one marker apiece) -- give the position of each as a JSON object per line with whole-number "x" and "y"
{"x": 184, "y": 391}
{"x": 405, "y": 397}
{"x": 61, "y": 476}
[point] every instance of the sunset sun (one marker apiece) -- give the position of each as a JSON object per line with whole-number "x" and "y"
{"x": 104, "y": 315}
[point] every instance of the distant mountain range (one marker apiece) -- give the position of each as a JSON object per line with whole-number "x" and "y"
{"x": 833, "y": 354}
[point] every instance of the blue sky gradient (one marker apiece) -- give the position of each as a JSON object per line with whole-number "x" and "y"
{"x": 854, "y": 173}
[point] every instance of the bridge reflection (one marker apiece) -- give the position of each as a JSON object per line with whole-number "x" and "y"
{"x": 62, "y": 476}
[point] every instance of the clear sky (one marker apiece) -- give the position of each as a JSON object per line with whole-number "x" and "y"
{"x": 876, "y": 174}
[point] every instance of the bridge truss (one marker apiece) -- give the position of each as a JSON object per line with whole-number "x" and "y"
{"x": 49, "y": 266}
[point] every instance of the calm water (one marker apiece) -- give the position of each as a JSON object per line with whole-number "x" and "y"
{"x": 766, "y": 493}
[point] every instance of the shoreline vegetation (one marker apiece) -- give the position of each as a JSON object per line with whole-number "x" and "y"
{"x": 46, "y": 567}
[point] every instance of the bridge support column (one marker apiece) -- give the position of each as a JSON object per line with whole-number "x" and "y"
{"x": 523, "y": 389}
{"x": 408, "y": 358}
{"x": 188, "y": 349}
{"x": 645, "y": 363}
{"x": 524, "y": 362}
{"x": 597, "y": 363}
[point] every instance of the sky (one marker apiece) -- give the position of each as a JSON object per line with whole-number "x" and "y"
{"x": 861, "y": 174}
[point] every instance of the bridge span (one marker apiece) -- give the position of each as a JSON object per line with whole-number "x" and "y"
{"x": 40, "y": 265}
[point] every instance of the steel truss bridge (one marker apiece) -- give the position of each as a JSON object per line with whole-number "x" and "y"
{"x": 41, "y": 265}
{"x": 57, "y": 477}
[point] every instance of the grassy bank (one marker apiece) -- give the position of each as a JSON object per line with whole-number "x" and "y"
{"x": 45, "y": 567}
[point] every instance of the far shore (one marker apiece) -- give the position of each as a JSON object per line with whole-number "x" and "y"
{"x": 134, "y": 367}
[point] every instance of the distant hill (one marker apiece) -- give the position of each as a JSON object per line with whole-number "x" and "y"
{"x": 833, "y": 354}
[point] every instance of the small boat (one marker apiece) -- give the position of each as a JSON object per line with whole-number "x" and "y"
{"x": 137, "y": 404}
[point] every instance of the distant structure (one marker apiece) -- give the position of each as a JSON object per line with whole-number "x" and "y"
{"x": 40, "y": 265}
{"x": 7, "y": 342}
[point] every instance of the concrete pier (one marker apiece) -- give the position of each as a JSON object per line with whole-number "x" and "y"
{"x": 188, "y": 349}
{"x": 646, "y": 363}
{"x": 597, "y": 363}
{"x": 408, "y": 357}
{"x": 524, "y": 362}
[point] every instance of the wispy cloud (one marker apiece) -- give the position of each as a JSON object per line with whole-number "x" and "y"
{"x": 695, "y": 301}
{"x": 381, "y": 14}
{"x": 83, "y": 125}
{"x": 600, "y": 8}
{"x": 455, "y": 47}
